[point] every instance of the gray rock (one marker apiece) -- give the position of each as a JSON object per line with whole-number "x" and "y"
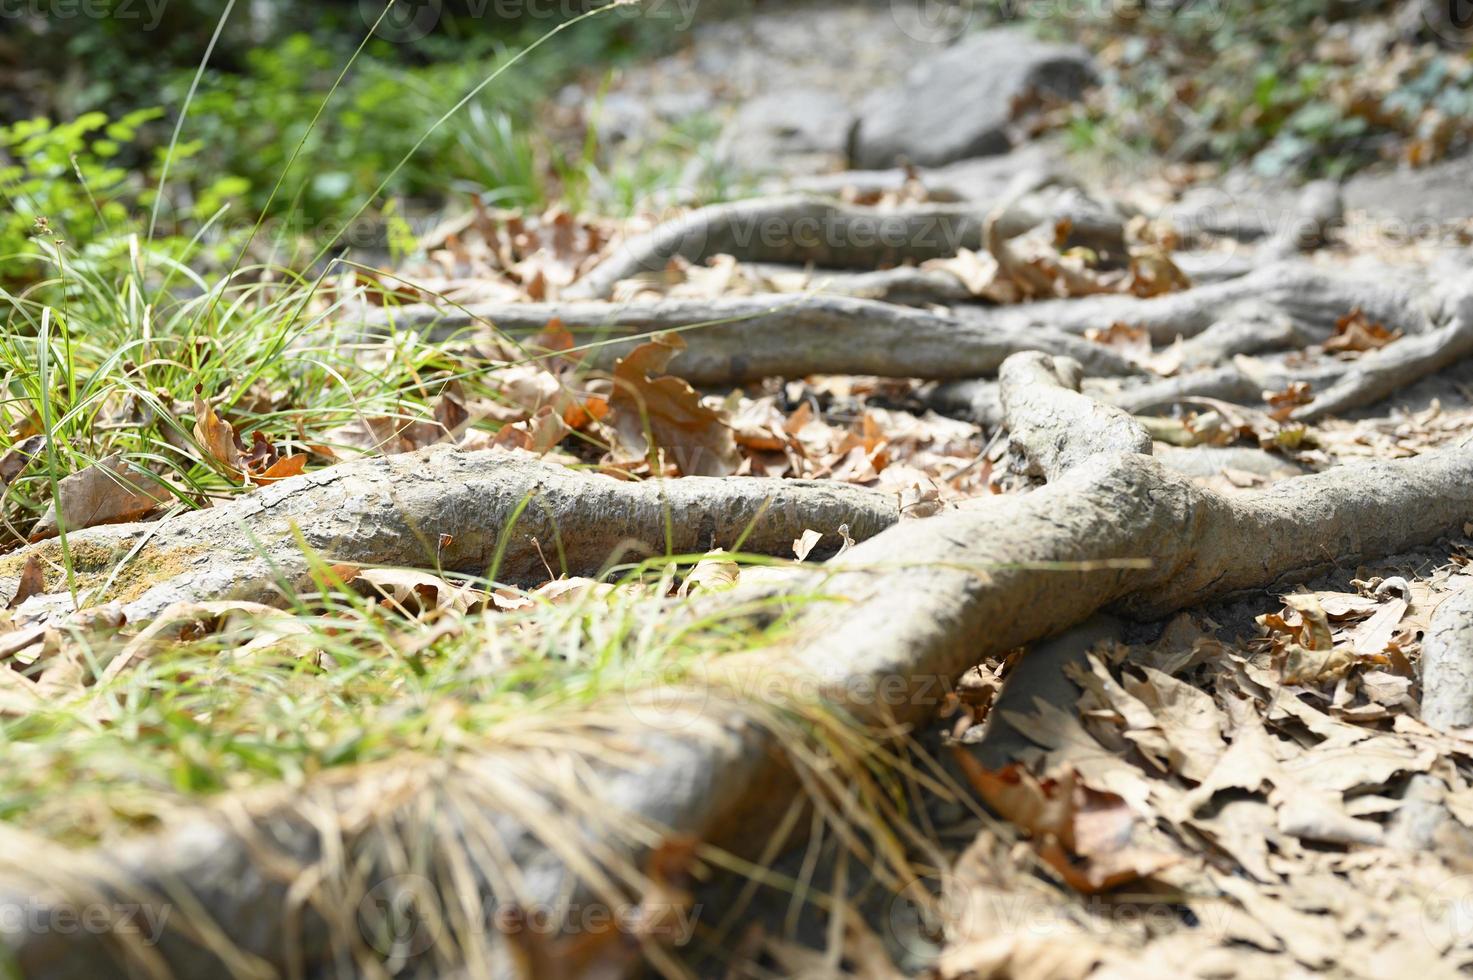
{"x": 960, "y": 104}
{"x": 797, "y": 131}
{"x": 1421, "y": 200}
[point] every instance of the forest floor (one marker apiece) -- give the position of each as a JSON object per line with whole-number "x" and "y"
{"x": 1011, "y": 567}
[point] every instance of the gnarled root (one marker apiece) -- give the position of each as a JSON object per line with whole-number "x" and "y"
{"x": 810, "y": 230}
{"x": 1381, "y": 373}
{"x": 460, "y": 511}
{"x": 746, "y": 338}
{"x": 1054, "y": 426}
{"x": 797, "y": 229}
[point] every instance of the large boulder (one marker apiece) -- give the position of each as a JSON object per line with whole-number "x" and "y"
{"x": 960, "y": 103}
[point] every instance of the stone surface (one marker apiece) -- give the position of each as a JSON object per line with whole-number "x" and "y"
{"x": 1426, "y": 197}
{"x": 961, "y": 102}
{"x": 801, "y": 132}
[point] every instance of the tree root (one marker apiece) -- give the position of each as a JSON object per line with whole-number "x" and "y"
{"x": 747, "y": 338}
{"x": 1447, "y": 664}
{"x": 1381, "y": 373}
{"x": 925, "y": 600}
{"x": 1307, "y": 296}
{"x": 904, "y": 286}
{"x": 809, "y": 230}
{"x": 796, "y": 229}
{"x": 1444, "y": 337}
{"x": 1055, "y": 427}
{"x": 477, "y": 513}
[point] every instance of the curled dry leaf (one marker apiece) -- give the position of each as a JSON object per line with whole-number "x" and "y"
{"x": 1355, "y": 333}
{"x": 1084, "y": 834}
{"x": 669, "y": 411}
{"x": 19, "y": 457}
{"x": 1283, "y": 403}
{"x": 540, "y": 434}
{"x": 284, "y": 467}
{"x": 803, "y": 545}
{"x": 110, "y": 491}
{"x": 714, "y": 573}
{"x": 32, "y": 582}
{"x": 414, "y": 592}
{"x": 216, "y": 436}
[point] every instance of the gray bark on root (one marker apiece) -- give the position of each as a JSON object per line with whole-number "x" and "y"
{"x": 804, "y": 229}
{"x": 1381, "y": 373}
{"x": 925, "y": 600}
{"x": 441, "y": 508}
{"x": 1447, "y": 664}
{"x": 1311, "y": 298}
{"x": 1055, "y": 427}
{"x": 796, "y": 229}
{"x": 747, "y": 338}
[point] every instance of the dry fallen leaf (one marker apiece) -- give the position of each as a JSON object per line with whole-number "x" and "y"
{"x": 1283, "y": 403}
{"x": 19, "y": 457}
{"x": 713, "y": 573}
{"x": 1355, "y": 333}
{"x": 284, "y": 467}
{"x": 668, "y": 410}
{"x": 32, "y": 582}
{"x": 109, "y": 491}
{"x": 1084, "y": 834}
{"x": 414, "y": 592}
{"x": 216, "y": 436}
{"x": 804, "y": 544}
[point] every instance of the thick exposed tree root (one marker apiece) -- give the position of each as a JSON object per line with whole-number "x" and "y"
{"x": 905, "y": 285}
{"x": 746, "y": 338}
{"x": 796, "y": 229}
{"x": 1309, "y": 297}
{"x": 467, "y": 512}
{"x": 1447, "y": 664}
{"x": 1054, "y": 426}
{"x": 809, "y": 230}
{"x": 1381, "y": 373}
{"x": 925, "y": 600}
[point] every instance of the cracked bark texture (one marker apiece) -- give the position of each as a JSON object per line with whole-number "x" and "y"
{"x": 1055, "y": 427}
{"x": 1447, "y": 664}
{"x": 747, "y": 338}
{"x": 442, "y": 508}
{"x": 807, "y": 229}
